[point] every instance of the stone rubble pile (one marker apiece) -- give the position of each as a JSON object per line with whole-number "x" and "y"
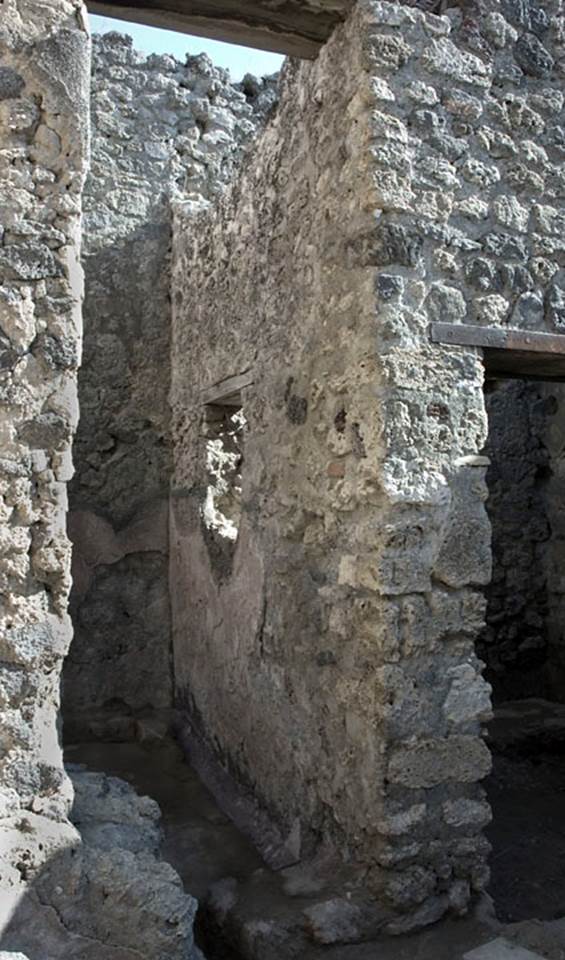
{"x": 109, "y": 895}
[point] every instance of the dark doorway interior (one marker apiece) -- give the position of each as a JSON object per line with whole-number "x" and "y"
{"x": 523, "y": 647}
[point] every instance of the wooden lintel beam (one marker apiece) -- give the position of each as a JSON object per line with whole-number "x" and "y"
{"x": 294, "y": 27}
{"x": 508, "y": 352}
{"x": 227, "y": 392}
{"x": 498, "y": 338}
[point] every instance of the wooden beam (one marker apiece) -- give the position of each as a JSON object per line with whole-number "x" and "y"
{"x": 295, "y": 27}
{"x": 227, "y": 393}
{"x": 507, "y": 352}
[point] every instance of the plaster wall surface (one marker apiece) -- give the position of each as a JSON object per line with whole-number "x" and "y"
{"x": 332, "y": 667}
{"x": 160, "y": 128}
{"x": 44, "y": 54}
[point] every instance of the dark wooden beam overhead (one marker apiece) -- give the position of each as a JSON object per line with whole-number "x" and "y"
{"x": 228, "y": 392}
{"x": 295, "y": 27}
{"x": 508, "y": 353}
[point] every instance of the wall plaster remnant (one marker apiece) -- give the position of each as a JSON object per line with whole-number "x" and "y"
{"x": 422, "y": 185}
{"x": 161, "y": 129}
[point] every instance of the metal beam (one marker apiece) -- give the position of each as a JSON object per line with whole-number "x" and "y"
{"x": 507, "y": 352}
{"x": 295, "y": 27}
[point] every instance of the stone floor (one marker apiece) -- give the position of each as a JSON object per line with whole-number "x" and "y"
{"x": 264, "y": 916}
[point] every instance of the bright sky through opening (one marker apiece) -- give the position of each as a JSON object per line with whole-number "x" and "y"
{"x": 238, "y": 60}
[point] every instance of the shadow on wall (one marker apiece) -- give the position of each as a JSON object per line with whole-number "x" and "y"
{"x": 120, "y": 659}
{"x": 524, "y": 509}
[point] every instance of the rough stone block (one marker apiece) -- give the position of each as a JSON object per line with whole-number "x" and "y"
{"x": 458, "y": 759}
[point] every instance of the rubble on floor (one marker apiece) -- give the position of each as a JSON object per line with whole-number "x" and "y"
{"x": 501, "y": 949}
{"x": 249, "y": 912}
{"x": 111, "y": 896}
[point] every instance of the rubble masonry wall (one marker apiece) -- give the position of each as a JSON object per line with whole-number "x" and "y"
{"x": 160, "y": 128}
{"x": 332, "y": 667}
{"x": 44, "y": 77}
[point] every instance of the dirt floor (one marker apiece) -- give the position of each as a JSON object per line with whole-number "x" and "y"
{"x": 204, "y": 847}
{"x": 527, "y": 793}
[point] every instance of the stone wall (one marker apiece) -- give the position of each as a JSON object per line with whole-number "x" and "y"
{"x": 160, "y": 129}
{"x": 330, "y": 665}
{"x": 44, "y": 52}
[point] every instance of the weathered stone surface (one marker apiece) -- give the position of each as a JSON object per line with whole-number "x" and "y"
{"x": 426, "y": 764}
{"x": 108, "y": 814}
{"x": 336, "y": 633}
{"x": 11, "y": 83}
{"x": 109, "y": 896}
{"x": 184, "y": 137}
{"x": 364, "y": 540}
{"x": 44, "y": 52}
{"x": 533, "y": 57}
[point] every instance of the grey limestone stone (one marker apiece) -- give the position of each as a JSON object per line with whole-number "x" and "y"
{"x": 39, "y": 189}
{"x": 11, "y": 83}
{"x": 109, "y": 814}
{"x": 533, "y": 57}
{"x": 109, "y": 891}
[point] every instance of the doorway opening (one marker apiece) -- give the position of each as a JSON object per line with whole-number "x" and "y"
{"x": 523, "y": 646}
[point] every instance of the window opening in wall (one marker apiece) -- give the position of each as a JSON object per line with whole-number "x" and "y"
{"x": 523, "y": 647}
{"x": 224, "y": 432}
